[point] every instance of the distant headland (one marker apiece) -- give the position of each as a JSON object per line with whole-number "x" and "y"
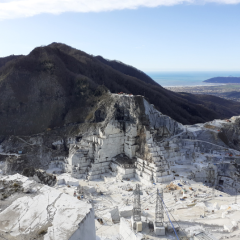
{"x": 223, "y": 80}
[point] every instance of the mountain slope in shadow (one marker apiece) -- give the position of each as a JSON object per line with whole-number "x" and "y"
{"x": 57, "y": 85}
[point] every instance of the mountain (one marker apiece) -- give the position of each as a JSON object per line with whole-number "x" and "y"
{"x": 5, "y": 60}
{"x": 127, "y": 70}
{"x": 223, "y": 80}
{"x": 233, "y": 94}
{"x": 57, "y": 85}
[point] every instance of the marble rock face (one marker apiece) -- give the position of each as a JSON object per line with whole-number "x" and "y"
{"x": 42, "y": 211}
{"x": 134, "y": 139}
{"x": 125, "y": 144}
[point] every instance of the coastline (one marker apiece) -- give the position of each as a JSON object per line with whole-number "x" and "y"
{"x": 198, "y": 85}
{"x": 188, "y": 79}
{"x": 229, "y": 91}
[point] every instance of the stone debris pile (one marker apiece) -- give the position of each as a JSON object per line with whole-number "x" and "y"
{"x": 40, "y": 176}
{"x": 7, "y": 188}
{"x": 51, "y": 206}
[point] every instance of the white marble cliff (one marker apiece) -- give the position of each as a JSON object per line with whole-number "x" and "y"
{"x": 136, "y": 140}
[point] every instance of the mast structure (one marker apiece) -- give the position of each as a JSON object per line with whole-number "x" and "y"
{"x": 137, "y": 204}
{"x": 235, "y": 181}
{"x": 211, "y": 179}
{"x": 159, "y": 212}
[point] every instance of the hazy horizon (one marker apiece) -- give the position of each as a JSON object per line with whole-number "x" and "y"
{"x": 188, "y": 78}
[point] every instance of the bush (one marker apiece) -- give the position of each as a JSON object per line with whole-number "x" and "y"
{"x": 16, "y": 185}
{"x": 42, "y": 232}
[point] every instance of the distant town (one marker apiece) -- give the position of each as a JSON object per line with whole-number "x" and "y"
{"x": 230, "y": 91}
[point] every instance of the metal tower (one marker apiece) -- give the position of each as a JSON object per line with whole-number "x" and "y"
{"x": 137, "y": 204}
{"x": 211, "y": 179}
{"x": 161, "y": 166}
{"x": 236, "y": 193}
{"x": 159, "y": 216}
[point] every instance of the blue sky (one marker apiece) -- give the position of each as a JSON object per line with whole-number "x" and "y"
{"x": 188, "y": 36}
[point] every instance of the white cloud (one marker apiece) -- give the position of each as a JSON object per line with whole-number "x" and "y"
{"x": 27, "y": 8}
{"x": 224, "y": 1}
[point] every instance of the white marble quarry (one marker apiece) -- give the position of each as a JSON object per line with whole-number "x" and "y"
{"x": 92, "y": 156}
{"x": 159, "y": 147}
{"x": 45, "y": 210}
{"x": 135, "y": 143}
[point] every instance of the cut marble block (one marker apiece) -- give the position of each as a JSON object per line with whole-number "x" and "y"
{"x": 163, "y": 179}
{"x": 149, "y": 172}
{"x": 126, "y": 211}
{"x": 115, "y": 215}
{"x": 139, "y": 173}
{"x": 142, "y": 180}
{"x": 160, "y": 174}
{"x": 138, "y": 226}
{"x": 159, "y": 231}
{"x": 146, "y": 176}
{"x": 125, "y": 176}
{"x": 93, "y": 177}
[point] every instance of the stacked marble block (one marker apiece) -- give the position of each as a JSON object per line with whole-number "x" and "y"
{"x": 61, "y": 165}
{"x": 121, "y": 172}
{"x": 78, "y": 163}
{"x": 156, "y": 169}
{"x": 98, "y": 170}
{"x": 114, "y": 142}
{"x": 203, "y": 175}
{"x": 170, "y": 150}
{"x": 191, "y": 151}
{"x": 158, "y": 156}
{"x": 144, "y": 171}
{"x": 59, "y": 162}
{"x": 130, "y": 146}
{"x": 153, "y": 172}
{"x": 94, "y": 153}
{"x": 189, "y": 148}
{"x": 110, "y": 144}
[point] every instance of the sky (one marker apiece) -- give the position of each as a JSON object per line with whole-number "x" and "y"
{"x": 152, "y": 35}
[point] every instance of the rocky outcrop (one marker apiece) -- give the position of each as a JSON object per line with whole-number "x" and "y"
{"x": 136, "y": 140}
{"x": 131, "y": 127}
{"x": 7, "y": 188}
{"x": 231, "y": 133}
{"x": 40, "y": 176}
{"x": 46, "y": 214}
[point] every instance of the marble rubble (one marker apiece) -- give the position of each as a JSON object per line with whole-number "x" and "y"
{"x": 40, "y": 213}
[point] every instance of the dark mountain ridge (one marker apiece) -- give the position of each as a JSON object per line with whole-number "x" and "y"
{"x": 5, "y": 60}
{"x": 126, "y": 69}
{"x": 57, "y": 85}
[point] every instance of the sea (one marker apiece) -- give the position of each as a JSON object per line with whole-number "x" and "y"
{"x": 184, "y": 79}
